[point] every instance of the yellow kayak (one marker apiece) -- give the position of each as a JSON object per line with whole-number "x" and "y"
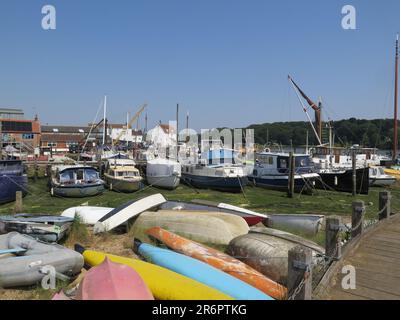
{"x": 163, "y": 283}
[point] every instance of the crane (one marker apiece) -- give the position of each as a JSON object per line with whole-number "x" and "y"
{"x": 133, "y": 119}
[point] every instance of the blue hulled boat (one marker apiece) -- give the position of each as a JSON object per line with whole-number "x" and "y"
{"x": 12, "y": 179}
{"x": 271, "y": 171}
{"x": 217, "y": 170}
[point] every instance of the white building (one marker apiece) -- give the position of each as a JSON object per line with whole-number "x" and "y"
{"x": 119, "y": 131}
{"x": 162, "y": 136}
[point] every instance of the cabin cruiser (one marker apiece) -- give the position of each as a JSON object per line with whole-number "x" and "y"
{"x": 75, "y": 181}
{"x": 271, "y": 171}
{"x": 378, "y": 177}
{"x": 121, "y": 175}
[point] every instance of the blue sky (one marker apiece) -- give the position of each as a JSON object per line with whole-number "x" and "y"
{"x": 226, "y": 61}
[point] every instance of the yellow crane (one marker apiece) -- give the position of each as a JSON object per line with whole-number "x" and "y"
{"x": 137, "y": 114}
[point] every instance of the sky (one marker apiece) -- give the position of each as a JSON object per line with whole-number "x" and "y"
{"x": 224, "y": 61}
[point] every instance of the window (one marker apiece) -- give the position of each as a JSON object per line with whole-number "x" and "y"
{"x": 79, "y": 175}
{"x": 27, "y": 136}
{"x": 52, "y": 144}
{"x": 90, "y": 175}
{"x": 283, "y": 163}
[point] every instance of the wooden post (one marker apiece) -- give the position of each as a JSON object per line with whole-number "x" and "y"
{"x": 35, "y": 175}
{"x": 384, "y": 204}
{"x": 353, "y": 162}
{"x": 357, "y": 218}
{"x": 299, "y": 258}
{"x": 291, "y": 175}
{"x": 333, "y": 239}
{"x": 18, "y": 202}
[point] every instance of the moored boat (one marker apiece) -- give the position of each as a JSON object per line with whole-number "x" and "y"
{"x": 75, "y": 181}
{"x": 122, "y": 176}
{"x": 12, "y": 179}
{"x": 271, "y": 171}
{"x": 200, "y": 272}
{"x": 378, "y": 177}
{"x": 219, "y": 260}
{"x": 163, "y": 173}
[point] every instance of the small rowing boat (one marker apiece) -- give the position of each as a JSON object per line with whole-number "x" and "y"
{"x": 113, "y": 281}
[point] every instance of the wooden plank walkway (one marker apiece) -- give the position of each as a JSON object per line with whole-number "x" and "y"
{"x": 376, "y": 258}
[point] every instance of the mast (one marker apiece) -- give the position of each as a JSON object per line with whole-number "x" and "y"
{"x": 177, "y": 130}
{"x": 104, "y": 119}
{"x": 395, "y": 131}
{"x": 312, "y": 104}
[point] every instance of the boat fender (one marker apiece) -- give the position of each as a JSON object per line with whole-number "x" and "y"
{"x": 111, "y": 186}
{"x": 52, "y": 191}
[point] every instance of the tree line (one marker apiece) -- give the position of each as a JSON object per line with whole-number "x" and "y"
{"x": 367, "y": 133}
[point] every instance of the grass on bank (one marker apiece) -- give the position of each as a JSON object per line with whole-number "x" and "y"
{"x": 39, "y": 200}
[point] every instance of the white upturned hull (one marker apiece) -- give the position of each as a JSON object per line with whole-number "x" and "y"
{"x": 166, "y": 182}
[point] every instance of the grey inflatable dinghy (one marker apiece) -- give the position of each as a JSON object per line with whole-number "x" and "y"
{"x": 35, "y": 259}
{"x": 42, "y": 227}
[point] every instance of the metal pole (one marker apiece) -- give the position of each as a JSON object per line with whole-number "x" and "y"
{"x": 353, "y": 160}
{"x": 104, "y": 119}
{"x": 395, "y": 131}
{"x": 177, "y": 130}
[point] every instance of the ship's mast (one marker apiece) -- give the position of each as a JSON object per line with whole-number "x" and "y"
{"x": 395, "y": 131}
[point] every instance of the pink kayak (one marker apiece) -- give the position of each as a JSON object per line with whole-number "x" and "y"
{"x": 113, "y": 281}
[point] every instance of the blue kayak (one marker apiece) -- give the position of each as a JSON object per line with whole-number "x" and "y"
{"x": 200, "y": 271}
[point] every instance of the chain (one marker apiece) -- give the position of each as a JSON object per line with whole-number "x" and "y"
{"x": 301, "y": 284}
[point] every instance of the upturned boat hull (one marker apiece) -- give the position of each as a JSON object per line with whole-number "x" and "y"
{"x": 113, "y": 281}
{"x": 163, "y": 283}
{"x": 219, "y": 260}
{"x": 200, "y": 272}
{"x": 212, "y": 228}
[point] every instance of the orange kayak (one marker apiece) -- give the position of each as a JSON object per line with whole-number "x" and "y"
{"x": 219, "y": 260}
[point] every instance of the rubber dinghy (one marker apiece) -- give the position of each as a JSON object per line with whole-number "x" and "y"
{"x": 34, "y": 256}
{"x": 163, "y": 283}
{"x": 127, "y": 211}
{"x": 265, "y": 253}
{"x": 113, "y": 281}
{"x": 212, "y": 228}
{"x": 220, "y": 261}
{"x": 199, "y": 271}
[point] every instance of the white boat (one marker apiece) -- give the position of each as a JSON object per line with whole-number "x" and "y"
{"x": 163, "y": 173}
{"x": 127, "y": 211}
{"x": 121, "y": 175}
{"x": 378, "y": 177}
{"x": 87, "y": 214}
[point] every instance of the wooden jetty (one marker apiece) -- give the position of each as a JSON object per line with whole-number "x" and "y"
{"x": 372, "y": 257}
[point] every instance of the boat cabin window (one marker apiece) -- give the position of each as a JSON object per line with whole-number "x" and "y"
{"x": 283, "y": 163}
{"x": 90, "y": 175}
{"x": 79, "y": 174}
{"x": 302, "y": 162}
{"x": 264, "y": 159}
{"x": 66, "y": 176}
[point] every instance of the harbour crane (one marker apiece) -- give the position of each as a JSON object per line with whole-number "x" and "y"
{"x": 133, "y": 119}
